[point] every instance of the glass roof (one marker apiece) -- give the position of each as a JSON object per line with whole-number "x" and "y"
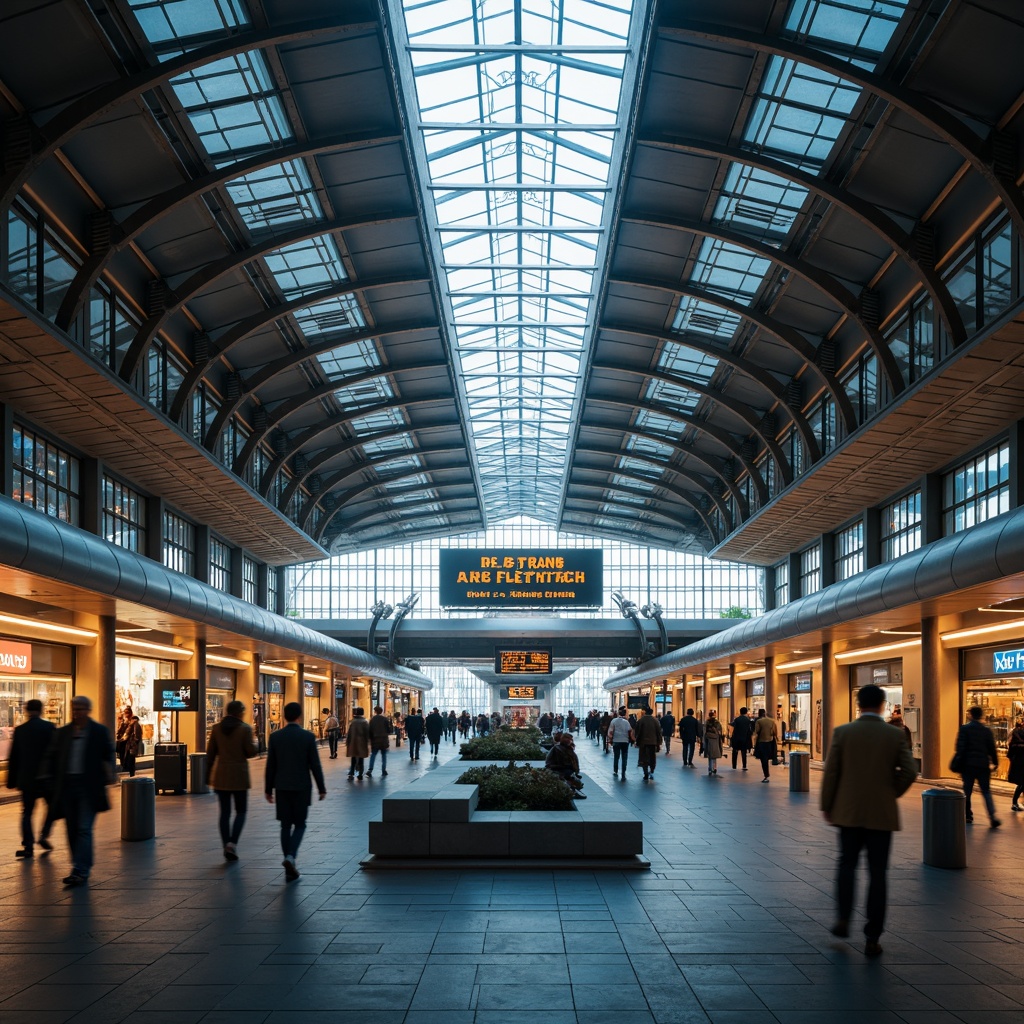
{"x": 518, "y": 126}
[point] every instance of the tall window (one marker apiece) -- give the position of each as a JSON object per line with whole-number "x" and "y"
{"x": 272, "y": 589}
{"x": 45, "y": 476}
{"x": 179, "y": 544}
{"x": 901, "y": 526}
{"x": 782, "y": 583}
{"x": 810, "y": 570}
{"x": 250, "y": 579}
{"x": 976, "y": 490}
{"x": 220, "y": 565}
{"x": 849, "y": 551}
{"x": 124, "y": 515}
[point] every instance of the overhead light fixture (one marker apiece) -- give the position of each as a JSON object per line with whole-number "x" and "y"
{"x": 1002, "y": 611}
{"x": 70, "y": 632}
{"x": 133, "y": 629}
{"x": 276, "y": 670}
{"x": 866, "y": 652}
{"x": 792, "y": 666}
{"x": 148, "y": 647}
{"x": 357, "y": 686}
{"x": 718, "y": 679}
{"x": 222, "y": 661}
{"x": 900, "y": 632}
{"x": 751, "y": 673}
{"x": 315, "y": 678}
{"x": 999, "y": 627}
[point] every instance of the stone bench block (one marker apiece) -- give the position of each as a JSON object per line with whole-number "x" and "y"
{"x": 400, "y": 838}
{"x": 612, "y": 838}
{"x": 545, "y": 834}
{"x": 406, "y": 805}
{"x": 476, "y": 839}
{"x": 454, "y": 804}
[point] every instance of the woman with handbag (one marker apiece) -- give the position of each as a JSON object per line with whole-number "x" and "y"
{"x": 713, "y": 737}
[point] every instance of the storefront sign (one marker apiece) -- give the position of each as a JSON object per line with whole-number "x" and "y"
{"x": 756, "y": 687}
{"x": 15, "y": 658}
{"x": 1008, "y": 661}
{"x": 663, "y": 698}
{"x": 339, "y": 692}
{"x": 725, "y": 690}
{"x": 521, "y": 578}
{"x": 308, "y": 688}
{"x": 802, "y": 683}
{"x": 273, "y": 685}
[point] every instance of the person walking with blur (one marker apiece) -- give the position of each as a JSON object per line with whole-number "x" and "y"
{"x": 714, "y": 734}
{"x": 602, "y": 730}
{"x": 765, "y": 737}
{"x": 1015, "y": 754}
{"x": 976, "y": 748}
{"x": 357, "y": 743}
{"x": 434, "y": 726}
{"x": 648, "y": 741}
{"x": 229, "y": 748}
{"x": 620, "y": 735}
{"x": 24, "y": 767}
{"x": 380, "y": 730}
{"x": 414, "y": 731}
{"x": 332, "y": 729}
{"x": 690, "y": 731}
{"x": 740, "y": 741}
{"x": 293, "y": 764}
{"x": 668, "y": 730}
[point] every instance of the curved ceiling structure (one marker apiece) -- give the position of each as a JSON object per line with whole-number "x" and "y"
{"x": 631, "y": 267}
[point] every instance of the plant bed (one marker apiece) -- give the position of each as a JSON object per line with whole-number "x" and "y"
{"x": 518, "y": 788}
{"x": 507, "y": 744}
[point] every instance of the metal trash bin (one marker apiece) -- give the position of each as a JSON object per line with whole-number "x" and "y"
{"x": 170, "y": 767}
{"x": 799, "y": 772}
{"x": 944, "y": 828}
{"x": 197, "y": 774}
{"x": 138, "y": 809}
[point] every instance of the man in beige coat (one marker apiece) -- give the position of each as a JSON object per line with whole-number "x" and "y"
{"x": 228, "y": 751}
{"x": 869, "y": 766}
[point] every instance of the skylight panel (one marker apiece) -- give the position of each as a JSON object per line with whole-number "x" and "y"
{"x": 307, "y": 266}
{"x": 865, "y": 25}
{"x": 339, "y": 313}
{"x": 180, "y": 20}
{"x": 618, "y": 480}
{"x": 704, "y": 317}
{"x": 276, "y": 195}
{"x": 682, "y": 361}
{"x": 729, "y": 270}
{"x": 370, "y": 392}
{"x": 376, "y": 421}
{"x": 758, "y": 202}
{"x": 403, "y": 442}
{"x": 658, "y": 450}
{"x": 347, "y": 360}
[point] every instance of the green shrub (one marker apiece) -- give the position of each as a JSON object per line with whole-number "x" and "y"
{"x": 518, "y": 788}
{"x": 507, "y": 744}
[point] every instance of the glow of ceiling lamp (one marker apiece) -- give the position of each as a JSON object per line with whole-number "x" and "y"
{"x": 866, "y": 652}
{"x": 71, "y": 632}
{"x": 718, "y": 679}
{"x": 999, "y": 627}
{"x": 1002, "y": 611}
{"x": 792, "y": 666}
{"x": 751, "y": 673}
{"x": 277, "y": 670}
{"x": 148, "y": 647}
{"x": 223, "y": 661}
{"x": 315, "y": 678}
{"x": 357, "y": 686}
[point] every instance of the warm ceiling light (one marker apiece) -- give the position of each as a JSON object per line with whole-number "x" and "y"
{"x": 1002, "y": 611}
{"x": 357, "y": 686}
{"x": 718, "y": 679}
{"x": 865, "y": 652}
{"x": 71, "y": 632}
{"x": 148, "y": 647}
{"x": 133, "y": 629}
{"x": 315, "y": 678}
{"x": 999, "y": 627}
{"x": 790, "y": 666}
{"x": 276, "y": 670}
{"x": 751, "y": 673}
{"x": 900, "y": 632}
{"x": 222, "y": 661}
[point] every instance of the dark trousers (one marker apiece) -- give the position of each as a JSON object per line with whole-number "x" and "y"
{"x": 876, "y": 843}
{"x": 414, "y": 746}
{"x": 231, "y": 833}
{"x": 28, "y": 805}
{"x": 735, "y": 751}
{"x": 292, "y": 808}
{"x": 648, "y": 758}
{"x": 668, "y": 745}
{"x": 79, "y": 816}
{"x": 982, "y": 776}
{"x": 688, "y": 748}
{"x": 332, "y": 741}
{"x": 620, "y": 750}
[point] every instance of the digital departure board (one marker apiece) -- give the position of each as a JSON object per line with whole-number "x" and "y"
{"x": 535, "y": 661}
{"x": 520, "y": 578}
{"x": 522, "y": 693}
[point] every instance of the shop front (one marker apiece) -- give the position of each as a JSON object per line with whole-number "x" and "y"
{"x": 755, "y": 699}
{"x": 796, "y": 712}
{"x": 268, "y": 708}
{"x": 312, "y": 709}
{"x": 220, "y": 691}
{"x": 889, "y": 676}
{"x": 28, "y": 671}
{"x": 133, "y": 685}
{"x": 992, "y": 678}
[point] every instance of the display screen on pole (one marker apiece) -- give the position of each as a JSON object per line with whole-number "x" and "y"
{"x": 176, "y": 695}
{"x": 520, "y": 693}
{"x": 521, "y": 578}
{"x": 537, "y": 661}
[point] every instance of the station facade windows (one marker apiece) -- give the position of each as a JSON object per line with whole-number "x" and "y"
{"x": 849, "y": 551}
{"x": 124, "y": 515}
{"x": 220, "y": 565}
{"x": 810, "y": 570}
{"x": 250, "y": 580}
{"x": 781, "y": 584}
{"x": 901, "y": 530}
{"x": 179, "y": 548}
{"x": 976, "y": 490}
{"x": 45, "y": 476}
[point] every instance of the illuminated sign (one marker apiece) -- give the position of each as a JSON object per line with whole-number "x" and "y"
{"x": 536, "y": 661}
{"x": 522, "y": 693}
{"x": 176, "y": 695}
{"x": 1008, "y": 661}
{"x": 521, "y": 578}
{"x": 637, "y": 703}
{"x": 15, "y": 658}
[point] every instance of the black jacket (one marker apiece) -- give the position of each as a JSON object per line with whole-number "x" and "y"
{"x": 690, "y": 729}
{"x": 742, "y": 727}
{"x": 292, "y": 758}
{"x": 28, "y": 748}
{"x": 414, "y": 726}
{"x": 668, "y": 725}
{"x": 97, "y": 764}
{"x": 434, "y": 726}
{"x": 976, "y": 746}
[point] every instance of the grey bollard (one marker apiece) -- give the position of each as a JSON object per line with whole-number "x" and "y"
{"x": 799, "y": 772}
{"x": 138, "y": 809}
{"x": 944, "y": 828}
{"x": 197, "y": 774}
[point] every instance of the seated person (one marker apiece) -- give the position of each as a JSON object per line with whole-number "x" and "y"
{"x": 563, "y": 762}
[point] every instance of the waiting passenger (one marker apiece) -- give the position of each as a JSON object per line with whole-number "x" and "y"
{"x": 380, "y": 729}
{"x": 563, "y": 762}
{"x": 713, "y": 736}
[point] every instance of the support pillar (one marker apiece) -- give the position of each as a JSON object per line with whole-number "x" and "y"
{"x": 772, "y": 686}
{"x": 195, "y": 668}
{"x": 834, "y": 698}
{"x": 940, "y": 700}
{"x": 94, "y": 674}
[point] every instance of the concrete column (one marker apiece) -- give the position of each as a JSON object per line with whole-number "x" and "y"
{"x": 194, "y": 668}
{"x": 940, "y": 700}
{"x": 834, "y": 698}
{"x": 772, "y": 686}
{"x": 732, "y": 708}
{"x": 94, "y": 671}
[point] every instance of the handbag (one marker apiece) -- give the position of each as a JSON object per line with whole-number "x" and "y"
{"x": 956, "y": 766}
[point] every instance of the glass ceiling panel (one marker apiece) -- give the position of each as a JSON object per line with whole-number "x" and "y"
{"x": 307, "y": 266}
{"x": 334, "y": 314}
{"x": 863, "y": 25}
{"x": 518, "y": 114}
{"x": 276, "y": 195}
{"x": 349, "y": 359}
{"x": 175, "y": 21}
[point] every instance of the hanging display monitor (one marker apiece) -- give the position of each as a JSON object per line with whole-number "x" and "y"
{"x": 521, "y": 578}
{"x": 535, "y": 661}
{"x": 521, "y": 693}
{"x": 176, "y": 695}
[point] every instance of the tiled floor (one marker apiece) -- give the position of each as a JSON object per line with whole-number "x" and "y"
{"x": 729, "y": 926}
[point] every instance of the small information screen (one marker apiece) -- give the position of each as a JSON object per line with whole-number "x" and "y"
{"x": 522, "y": 693}
{"x": 536, "y": 661}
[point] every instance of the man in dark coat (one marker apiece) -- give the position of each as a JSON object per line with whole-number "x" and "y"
{"x": 435, "y": 728}
{"x": 690, "y": 730}
{"x": 31, "y": 740}
{"x": 648, "y": 740}
{"x": 380, "y": 730}
{"x": 742, "y": 728}
{"x": 414, "y": 730}
{"x": 976, "y": 748}
{"x": 292, "y": 757}
{"x": 668, "y": 730}
{"x": 82, "y": 760}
